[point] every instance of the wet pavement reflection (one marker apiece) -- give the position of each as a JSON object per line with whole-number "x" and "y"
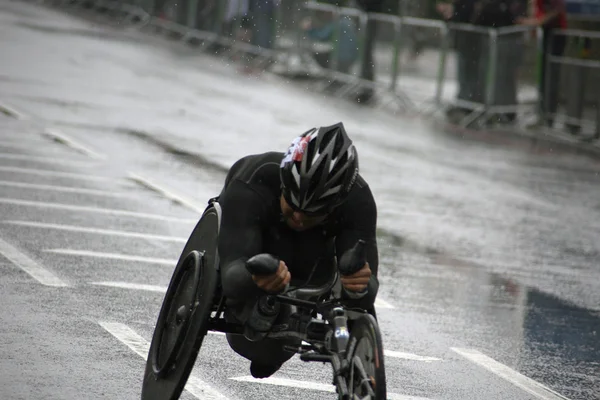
{"x": 542, "y": 336}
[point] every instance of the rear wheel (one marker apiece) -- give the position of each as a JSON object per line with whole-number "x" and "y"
{"x": 366, "y": 377}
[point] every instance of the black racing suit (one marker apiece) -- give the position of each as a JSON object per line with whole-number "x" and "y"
{"x": 252, "y": 223}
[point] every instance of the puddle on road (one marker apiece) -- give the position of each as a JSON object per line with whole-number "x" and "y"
{"x": 544, "y": 337}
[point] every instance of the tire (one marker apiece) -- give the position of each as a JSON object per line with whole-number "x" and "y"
{"x": 366, "y": 347}
{"x": 183, "y": 319}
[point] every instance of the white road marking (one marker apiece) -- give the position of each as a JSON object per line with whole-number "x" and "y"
{"x": 166, "y": 193}
{"x": 108, "y": 211}
{"x": 41, "y": 172}
{"x": 380, "y": 303}
{"x": 133, "y": 286}
{"x": 113, "y": 256}
{"x": 36, "y": 271}
{"x": 64, "y": 139}
{"x": 163, "y": 289}
{"x": 141, "y": 347}
{"x": 527, "y": 384}
{"x": 66, "y": 189}
{"x": 323, "y": 387}
{"x": 50, "y": 160}
{"x": 98, "y": 231}
{"x": 11, "y": 111}
{"x": 409, "y": 356}
{"x": 22, "y": 146}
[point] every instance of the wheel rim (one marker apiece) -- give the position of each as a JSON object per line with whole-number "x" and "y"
{"x": 366, "y": 375}
{"x": 365, "y": 357}
{"x": 179, "y": 308}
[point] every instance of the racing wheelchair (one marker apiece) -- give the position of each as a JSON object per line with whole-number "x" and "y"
{"x": 348, "y": 339}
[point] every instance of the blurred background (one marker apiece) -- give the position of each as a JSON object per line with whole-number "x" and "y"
{"x": 476, "y": 62}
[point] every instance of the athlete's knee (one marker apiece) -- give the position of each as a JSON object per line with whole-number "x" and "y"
{"x": 237, "y": 283}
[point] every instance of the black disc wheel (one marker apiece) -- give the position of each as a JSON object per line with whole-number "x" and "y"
{"x": 174, "y": 320}
{"x": 184, "y": 316}
{"x": 366, "y": 376}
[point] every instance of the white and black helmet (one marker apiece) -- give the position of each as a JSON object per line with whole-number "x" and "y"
{"x": 319, "y": 169}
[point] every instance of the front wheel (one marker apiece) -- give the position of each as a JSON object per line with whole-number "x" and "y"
{"x": 183, "y": 319}
{"x": 366, "y": 376}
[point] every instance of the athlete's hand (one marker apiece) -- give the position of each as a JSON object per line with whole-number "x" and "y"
{"x": 276, "y": 282}
{"x": 357, "y": 282}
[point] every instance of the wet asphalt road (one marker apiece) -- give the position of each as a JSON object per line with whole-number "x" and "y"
{"x": 491, "y": 248}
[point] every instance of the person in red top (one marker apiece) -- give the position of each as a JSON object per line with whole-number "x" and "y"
{"x": 550, "y": 15}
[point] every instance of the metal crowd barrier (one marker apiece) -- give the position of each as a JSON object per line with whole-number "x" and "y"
{"x": 393, "y": 86}
{"x": 574, "y": 118}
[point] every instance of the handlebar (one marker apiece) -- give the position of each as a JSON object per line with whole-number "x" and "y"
{"x": 350, "y": 262}
{"x": 353, "y": 259}
{"x": 262, "y": 264}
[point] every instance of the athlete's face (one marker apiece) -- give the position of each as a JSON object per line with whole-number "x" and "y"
{"x": 297, "y": 220}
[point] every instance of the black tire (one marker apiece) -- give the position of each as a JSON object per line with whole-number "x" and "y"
{"x": 183, "y": 319}
{"x": 366, "y": 345}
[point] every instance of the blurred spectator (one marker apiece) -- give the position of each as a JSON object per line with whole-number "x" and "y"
{"x": 347, "y": 42}
{"x": 237, "y": 20}
{"x": 237, "y": 23}
{"x": 205, "y": 15}
{"x": 263, "y": 18}
{"x": 368, "y": 64}
{"x": 497, "y": 14}
{"x": 549, "y": 15}
{"x": 468, "y": 47}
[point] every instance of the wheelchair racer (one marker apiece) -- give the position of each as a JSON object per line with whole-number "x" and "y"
{"x": 306, "y": 206}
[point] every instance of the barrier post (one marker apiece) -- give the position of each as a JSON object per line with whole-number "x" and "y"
{"x": 576, "y": 89}
{"x": 490, "y": 84}
{"x": 363, "y": 20}
{"x": 396, "y": 52}
{"x": 337, "y": 33}
{"x": 192, "y": 13}
{"x": 441, "y": 74}
{"x": 597, "y": 135}
{"x": 545, "y": 100}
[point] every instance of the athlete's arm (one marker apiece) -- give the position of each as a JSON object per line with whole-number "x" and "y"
{"x": 240, "y": 237}
{"x": 360, "y": 222}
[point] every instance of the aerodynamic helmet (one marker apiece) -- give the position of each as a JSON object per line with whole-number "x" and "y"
{"x": 319, "y": 169}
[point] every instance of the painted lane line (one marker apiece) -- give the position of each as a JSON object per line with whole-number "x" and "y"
{"x": 66, "y": 189}
{"x": 23, "y": 145}
{"x": 380, "y": 303}
{"x": 527, "y": 384}
{"x": 49, "y": 160}
{"x": 166, "y": 193}
{"x": 112, "y": 256}
{"x": 67, "y": 141}
{"x": 141, "y": 347}
{"x": 163, "y": 289}
{"x": 35, "y": 270}
{"x": 11, "y": 111}
{"x": 107, "y": 211}
{"x": 132, "y": 286}
{"x": 323, "y": 387}
{"x": 108, "y": 232}
{"x": 409, "y": 356}
{"x": 40, "y": 172}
